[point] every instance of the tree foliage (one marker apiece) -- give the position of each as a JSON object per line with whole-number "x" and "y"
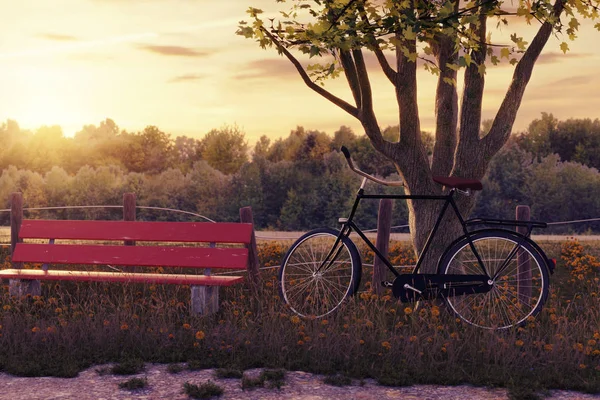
{"x": 445, "y": 36}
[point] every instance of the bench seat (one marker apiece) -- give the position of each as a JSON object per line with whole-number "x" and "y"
{"x": 94, "y": 276}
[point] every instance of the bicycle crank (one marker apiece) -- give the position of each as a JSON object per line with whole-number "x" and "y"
{"x": 413, "y": 287}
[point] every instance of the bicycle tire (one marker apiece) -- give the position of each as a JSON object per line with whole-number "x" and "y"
{"x": 316, "y": 294}
{"x": 514, "y": 296}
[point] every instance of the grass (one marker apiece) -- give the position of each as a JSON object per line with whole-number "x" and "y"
{"x": 73, "y": 326}
{"x": 272, "y": 378}
{"x": 203, "y": 391}
{"x": 228, "y": 373}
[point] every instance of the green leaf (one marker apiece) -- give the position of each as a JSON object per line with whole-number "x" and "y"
{"x": 505, "y": 52}
{"x": 564, "y": 47}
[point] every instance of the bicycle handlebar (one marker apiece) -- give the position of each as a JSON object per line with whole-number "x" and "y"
{"x": 364, "y": 174}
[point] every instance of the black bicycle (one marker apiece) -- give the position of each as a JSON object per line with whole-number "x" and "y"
{"x": 492, "y": 277}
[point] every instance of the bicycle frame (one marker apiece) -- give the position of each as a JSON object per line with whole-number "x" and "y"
{"x": 349, "y": 226}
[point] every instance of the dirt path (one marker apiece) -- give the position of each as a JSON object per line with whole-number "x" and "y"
{"x": 298, "y": 386}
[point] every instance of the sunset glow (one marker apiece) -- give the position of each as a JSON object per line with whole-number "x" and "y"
{"x": 179, "y": 65}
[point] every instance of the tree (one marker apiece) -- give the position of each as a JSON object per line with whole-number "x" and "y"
{"x": 225, "y": 149}
{"x": 446, "y": 36}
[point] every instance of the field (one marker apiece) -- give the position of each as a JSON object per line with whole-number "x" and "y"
{"x": 73, "y": 326}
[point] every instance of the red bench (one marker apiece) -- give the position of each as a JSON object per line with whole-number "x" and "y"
{"x": 86, "y": 243}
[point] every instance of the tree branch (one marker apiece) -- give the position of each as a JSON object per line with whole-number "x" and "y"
{"x": 385, "y": 65}
{"x": 505, "y": 118}
{"x": 470, "y": 112}
{"x": 329, "y": 96}
{"x": 351, "y": 76}
{"x": 446, "y": 106}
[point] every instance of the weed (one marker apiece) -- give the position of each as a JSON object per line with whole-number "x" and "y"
{"x": 134, "y": 384}
{"x": 337, "y": 380}
{"x": 130, "y": 366}
{"x": 175, "y": 368}
{"x": 228, "y": 373}
{"x": 203, "y": 391}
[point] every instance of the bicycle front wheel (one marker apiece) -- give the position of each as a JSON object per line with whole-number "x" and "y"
{"x": 518, "y": 273}
{"x": 315, "y": 277}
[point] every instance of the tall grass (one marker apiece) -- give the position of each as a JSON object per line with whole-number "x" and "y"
{"x": 75, "y": 325}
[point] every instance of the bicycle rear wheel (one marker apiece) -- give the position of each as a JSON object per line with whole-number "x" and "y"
{"x": 518, "y": 271}
{"x": 311, "y": 287}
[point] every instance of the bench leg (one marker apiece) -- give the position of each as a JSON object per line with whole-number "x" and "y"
{"x": 204, "y": 300}
{"x": 23, "y": 287}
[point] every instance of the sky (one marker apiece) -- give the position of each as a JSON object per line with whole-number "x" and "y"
{"x": 178, "y": 64}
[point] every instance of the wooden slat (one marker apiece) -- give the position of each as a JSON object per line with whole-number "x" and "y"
{"x": 121, "y": 277}
{"x": 195, "y": 257}
{"x": 221, "y": 232}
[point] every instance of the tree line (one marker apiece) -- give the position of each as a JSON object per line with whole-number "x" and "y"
{"x": 293, "y": 183}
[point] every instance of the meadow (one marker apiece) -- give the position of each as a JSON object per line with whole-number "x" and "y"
{"x": 76, "y": 325}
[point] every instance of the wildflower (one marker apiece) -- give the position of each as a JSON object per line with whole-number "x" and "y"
{"x": 106, "y": 322}
{"x": 361, "y": 342}
{"x": 578, "y": 347}
{"x": 35, "y": 329}
{"x": 236, "y": 313}
{"x": 548, "y": 347}
{"x": 597, "y": 335}
{"x": 369, "y": 324}
{"x": 519, "y": 343}
{"x": 186, "y": 326}
{"x": 386, "y": 345}
{"x": 294, "y": 319}
{"x": 392, "y": 311}
{"x": 435, "y": 311}
{"x": 444, "y": 350}
{"x": 124, "y": 327}
{"x": 582, "y": 366}
{"x": 454, "y": 335}
{"x": 247, "y": 342}
{"x": 591, "y": 342}
{"x": 300, "y": 342}
{"x": 307, "y": 338}
{"x": 324, "y": 322}
{"x": 346, "y": 326}
{"x": 413, "y": 339}
{"x": 171, "y": 336}
{"x": 196, "y": 344}
{"x": 322, "y": 335}
{"x": 6, "y": 308}
{"x": 200, "y": 335}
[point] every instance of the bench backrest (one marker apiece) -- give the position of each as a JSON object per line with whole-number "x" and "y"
{"x": 221, "y": 232}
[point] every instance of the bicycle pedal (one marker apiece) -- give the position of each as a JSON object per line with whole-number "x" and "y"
{"x": 387, "y": 284}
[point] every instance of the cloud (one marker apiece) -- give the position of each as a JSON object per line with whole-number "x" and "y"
{"x": 273, "y": 68}
{"x": 186, "y": 78}
{"x": 556, "y": 57}
{"x": 57, "y": 37}
{"x": 179, "y": 51}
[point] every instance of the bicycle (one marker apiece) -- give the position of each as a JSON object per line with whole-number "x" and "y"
{"x": 492, "y": 277}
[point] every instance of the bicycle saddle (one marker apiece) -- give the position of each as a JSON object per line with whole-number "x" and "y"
{"x": 458, "y": 183}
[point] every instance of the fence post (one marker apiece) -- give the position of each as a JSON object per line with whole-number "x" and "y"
{"x": 129, "y": 212}
{"x": 384, "y": 224}
{"x": 523, "y": 213}
{"x": 18, "y": 287}
{"x": 253, "y": 261}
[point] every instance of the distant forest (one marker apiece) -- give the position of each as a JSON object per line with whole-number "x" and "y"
{"x": 293, "y": 183}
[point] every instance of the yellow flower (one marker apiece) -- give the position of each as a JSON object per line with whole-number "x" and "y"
{"x": 548, "y": 347}
{"x": 200, "y": 335}
{"x": 300, "y": 342}
{"x": 186, "y": 326}
{"x": 582, "y": 366}
{"x": 106, "y": 322}
{"x": 519, "y": 343}
{"x": 408, "y": 311}
{"x": 6, "y": 307}
{"x": 386, "y": 345}
{"x": 171, "y": 336}
{"x": 295, "y": 319}
{"x": 413, "y": 339}
{"x": 435, "y": 311}
{"x": 324, "y": 322}
{"x": 35, "y": 329}
{"x": 361, "y": 342}
{"x": 591, "y": 342}
{"x": 124, "y": 327}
